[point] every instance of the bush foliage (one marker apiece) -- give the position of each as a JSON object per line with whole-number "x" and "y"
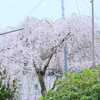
{"x": 7, "y": 88}
{"x": 77, "y": 86}
{"x": 6, "y": 93}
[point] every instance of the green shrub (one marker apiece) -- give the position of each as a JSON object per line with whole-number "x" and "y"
{"x": 77, "y": 86}
{"x": 7, "y": 88}
{"x": 6, "y": 93}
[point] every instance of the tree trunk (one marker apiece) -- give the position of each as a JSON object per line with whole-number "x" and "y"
{"x": 41, "y": 77}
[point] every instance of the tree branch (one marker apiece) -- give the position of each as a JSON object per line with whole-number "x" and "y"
{"x": 34, "y": 65}
{"x": 54, "y": 49}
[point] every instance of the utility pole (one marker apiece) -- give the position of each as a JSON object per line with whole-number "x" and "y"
{"x": 65, "y": 47}
{"x": 93, "y": 43}
{"x": 62, "y": 9}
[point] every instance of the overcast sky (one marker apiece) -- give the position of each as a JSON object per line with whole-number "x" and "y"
{"x": 13, "y": 12}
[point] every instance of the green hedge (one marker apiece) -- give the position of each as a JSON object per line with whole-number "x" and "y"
{"x": 77, "y": 86}
{"x": 5, "y": 92}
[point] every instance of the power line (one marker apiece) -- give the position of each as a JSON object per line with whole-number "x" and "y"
{"x": 33, "y": 9}
{"x": 36, "y": 6}
{"x": 62, "y": 9}
{"x": 4, "y": 33}
{"x": 78, "y": 11}
{"x": 77, "y": 7}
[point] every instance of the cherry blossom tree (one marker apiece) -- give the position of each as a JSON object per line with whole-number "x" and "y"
{"x": 41, "y": 41}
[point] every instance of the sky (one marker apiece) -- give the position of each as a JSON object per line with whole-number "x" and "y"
{"x": 14, "y": 12}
